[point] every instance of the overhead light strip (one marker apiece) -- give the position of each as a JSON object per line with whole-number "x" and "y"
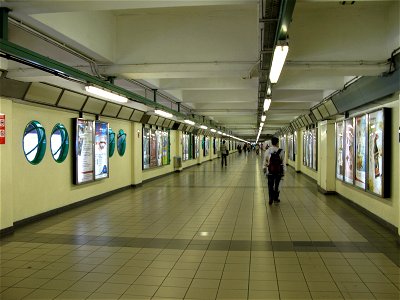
{"x": 105, "y": 94}
{"x": 278, "y": 61}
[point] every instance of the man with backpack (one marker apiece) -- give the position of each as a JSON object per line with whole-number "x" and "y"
{"x": 273, "y": 167}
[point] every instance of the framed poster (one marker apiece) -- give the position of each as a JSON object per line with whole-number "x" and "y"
{"x": 196, "y": 146}
{"x": 206, "y": 145}
{"x": 315, "y": 148}
{"x": 101, "y": 150}
{"x": 165, "y": 147}
{"x": 185, "y": 145}
{"x": 84, "y": 151}
{"x": 378, "y": 148}
{"x": 146, "y": 148}
{"x": 159, "y": 149}
{"x": 153, "y": 149}
{"x": 340, "y": 150}
{"x": 361, "y": 154}
{"x": 349, "y": 151}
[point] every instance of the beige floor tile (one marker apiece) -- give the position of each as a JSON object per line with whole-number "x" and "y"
{"x": 288, "y": 269}
{"x": 182, "y": 273}
{"x": 186, "y": 266}
{"x": 171, "y": 292}
{"x": 205, "y": 283}
{"x": 290, "y": 276}
{"x": 141, "y": 290}
{"x": 58, "y": 284}
{"x": 105, "y": 296}
{"x": 235, "y": 275}
{"x": 352, "y": 287}
{"x": 15, "y": 293}
{"x": 321, "y": 295}
{"x": 322, "y": 286}
{"x": 208, "y": 274}
{"x": 384, "y": 296}
{"x": 100, "y": 277}
{"x": 85, "y": 286}
{"x": 322, "y": 276}
{"x": 6, "y": 281}
{"x": 155, "y": 272}
{"x": 201, "y": 293}
{"x": 263, "y": 275}
{"x": 232, "y": 294}
{"x": 265, "y": 295}
{"x": 234, "y": 284}
{"x": 381, "y": 287}
{"x": 299, "y": 286}
{"x": 73, "y": 295}
{"x": 295, "y": 295}
{"x": 122, "y": 278}
{"x": 346, "y": 277}
{"x": 31, "y": 283}
{"x": 41, "y": 294}
{"x": 358, "y": 296}
{"x": 177, "y": 282}
{"x": 263, "y": 285}
{"x": 149, "y": 280}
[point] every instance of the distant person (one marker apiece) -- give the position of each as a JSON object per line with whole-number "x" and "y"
{"x": 273, "y": 167}
{"x": 224, "y": 153}
{"x": 257, "y": 149}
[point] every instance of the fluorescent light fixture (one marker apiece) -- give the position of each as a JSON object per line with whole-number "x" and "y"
{"x": 105, "y": 94}
{"x": 203, "y": 127}
{"x": 163, "y": 113}
{"x": 267, "y": 103}
{"x": 262, "y": 124}
{"x": 213, "y": 130}
{"x": 190, "y": 122}
{"x": 269, "y": 91}
{"x": 223, "y": 133}
{"x": 263, "y": 117}
{"x": 219, "y": 132}
{"x": 277, "y": 62}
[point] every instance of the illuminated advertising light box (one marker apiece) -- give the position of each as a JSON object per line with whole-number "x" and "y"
{"x": 339, "y": 150}
{"x": 361, "y": 151}
{"x": 379, "y": 127}
{"x": 84, "y": 151}
{"x": 153, "y": 149}
{"x": 349, "y": 151}
{"x": 146, "y": 148}
{"x": 101, "y": 150}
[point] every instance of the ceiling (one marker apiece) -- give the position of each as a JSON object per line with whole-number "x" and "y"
{"x": 205, "y": 54}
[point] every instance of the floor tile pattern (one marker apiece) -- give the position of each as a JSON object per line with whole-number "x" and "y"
{"x": 205, "y": 233}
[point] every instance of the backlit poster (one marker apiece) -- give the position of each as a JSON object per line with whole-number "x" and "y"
{"x": 375, "y": 152}
{"x": 153, "y": 149}
{"x": 185, "y": 146}
{"x": 165, "y": 147}
{"x": 340, "y": 150}
{"x": 314, "y": 149}
{"x": 349, "y": 152}
{"x": 361, "y": 154}
{"x": 206, "y": 145}
{"x": 101, "y": 150}
{"x": 196, "y": 146}
{"x": 146, "y": 148}
{"x": 84, "y": 162}
{"x": 159, "y": 149}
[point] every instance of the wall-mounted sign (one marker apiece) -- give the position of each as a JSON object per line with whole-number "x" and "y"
{"x": 2, "y": 128}
{"x": 101, "y": 150}
{"x": 84, "y": 162}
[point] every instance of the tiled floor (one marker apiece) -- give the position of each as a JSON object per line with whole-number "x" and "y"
{"x": 205, "y": 233}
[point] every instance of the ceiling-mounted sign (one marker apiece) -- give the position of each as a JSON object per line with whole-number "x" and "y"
{"x": 2, "y": 128}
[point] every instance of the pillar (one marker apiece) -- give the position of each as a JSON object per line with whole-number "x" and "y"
{"x": 326, "y": 178}
{"x": 136, "y": 144}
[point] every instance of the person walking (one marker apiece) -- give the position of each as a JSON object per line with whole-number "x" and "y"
{"x": 274, "y": 168}
{"x": 224, "y": 153}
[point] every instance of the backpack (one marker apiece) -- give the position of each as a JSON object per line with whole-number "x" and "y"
{"x": 275, "y": 166}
